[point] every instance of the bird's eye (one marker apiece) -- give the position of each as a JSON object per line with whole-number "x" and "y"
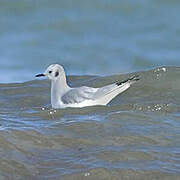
{"x": 50, "y": 72}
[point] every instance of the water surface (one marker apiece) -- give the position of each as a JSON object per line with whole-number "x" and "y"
{"x": 99, "y": 37}
{"x": 135, "y": 137}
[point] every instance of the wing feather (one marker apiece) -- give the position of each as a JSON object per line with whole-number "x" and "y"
{"x": 77, "y": 95}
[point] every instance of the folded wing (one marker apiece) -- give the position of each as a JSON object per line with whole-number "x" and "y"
{"x": 103, "y": 94}
{"x": 77, "y": 95}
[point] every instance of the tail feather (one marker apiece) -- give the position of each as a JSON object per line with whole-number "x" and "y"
{"x": 105, "y": 94}
{"x": 131, "y": 80}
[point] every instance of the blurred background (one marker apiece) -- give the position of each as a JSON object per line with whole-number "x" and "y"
{"x": 100, "y": 37}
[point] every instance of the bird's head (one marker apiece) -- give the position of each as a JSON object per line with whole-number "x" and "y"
{"x": 53, "y": 72}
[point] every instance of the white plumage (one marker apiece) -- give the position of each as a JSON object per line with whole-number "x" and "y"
{"x": 63, "y": 96}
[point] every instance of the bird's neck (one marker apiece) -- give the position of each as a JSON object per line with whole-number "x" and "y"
{"x": 58, "y": 88}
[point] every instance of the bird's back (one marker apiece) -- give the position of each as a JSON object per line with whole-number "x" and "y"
{"x": 88, "y": 96}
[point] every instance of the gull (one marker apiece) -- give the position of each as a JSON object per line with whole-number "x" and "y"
{"x": 63, "y": 96}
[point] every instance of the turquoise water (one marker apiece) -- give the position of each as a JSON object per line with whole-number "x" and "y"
{"x": 99, "y": 42}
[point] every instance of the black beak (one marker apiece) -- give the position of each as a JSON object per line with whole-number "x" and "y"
{"x": 39, "y": 75}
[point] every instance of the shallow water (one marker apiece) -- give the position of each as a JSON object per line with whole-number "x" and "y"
{"x": 135, "y": 137}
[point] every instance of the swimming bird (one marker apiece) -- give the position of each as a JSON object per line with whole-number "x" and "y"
{"x": 63, "y": 96}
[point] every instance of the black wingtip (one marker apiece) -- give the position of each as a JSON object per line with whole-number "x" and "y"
{"x": 133, "y": 78}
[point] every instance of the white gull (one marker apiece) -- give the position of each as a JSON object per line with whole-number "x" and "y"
{"x": 63, "y": 96}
